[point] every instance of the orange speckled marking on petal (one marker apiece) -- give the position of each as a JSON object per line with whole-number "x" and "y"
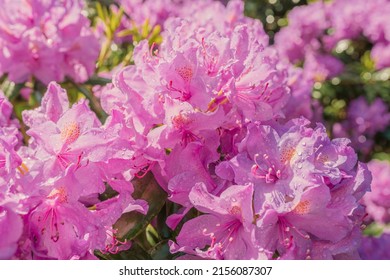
{"x": 303, "y": 207}
{"x": 61, "y": 193}
{"x": 185, "y": 72}
{"x": 71, "y": 132}
{"x": 181, "y": 121}
{"x": 236, "y": 210}
{"x": 323, "y": 158}
{"x": 286, "y": 154}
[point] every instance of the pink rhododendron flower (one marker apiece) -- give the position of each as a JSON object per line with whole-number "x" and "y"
{"x": 11, "y": 226}
{"x": 375, "y": 248}
{"x": 361, "y": 128}
{"x": 226, "y": 231}
{"x": 378, "y": 200}
{"x": 46, "y": 39}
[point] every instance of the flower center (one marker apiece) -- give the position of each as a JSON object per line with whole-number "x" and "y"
{"x": 266, "y": 170}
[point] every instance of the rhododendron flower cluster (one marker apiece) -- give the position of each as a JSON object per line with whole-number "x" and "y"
{"x": 48, "y": 40}
{"x": 55, "y": 181}
{"x": 203, "y": 144}
{"x": 318, "y": 38}
{"x": 198, "y": 104}
{"x": 362, "y": 128}
{"x": 278, "y": 198}
{"x": 316, "y": 29}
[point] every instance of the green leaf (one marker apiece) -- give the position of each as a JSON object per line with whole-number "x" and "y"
{"x": 132, "y": 224}
{"x": 145, "y": 29}
{"x": 367, "y": 61}
{"x": 116, "y": 19}
{"x": 96, "y": 80}
{"x": 99, "y": 10}
{"x": 155, "y": 35}
{"x": 126, "y": 32}
{"x": 373, "y": 229}
{"x": 381, "y": 156}
{"x": 161, "y": 251}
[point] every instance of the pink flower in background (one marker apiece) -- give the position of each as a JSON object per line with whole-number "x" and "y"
{"x": 5, "y": 109}
{"x": 322, "y": 67}
{"x": 348, "y": 21}
{"x": 206, "y": 16}
{"x": 301, "y": 103}
{"x": 361, "y": 128}
{"x": 377, "y": 201}
{"x": 381, "y": 55}
{"x": 156, "y": 12}
{"x": 375, "y": 248}
{"x": 46, "y": 39}
{"x": 306, "y": 25}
